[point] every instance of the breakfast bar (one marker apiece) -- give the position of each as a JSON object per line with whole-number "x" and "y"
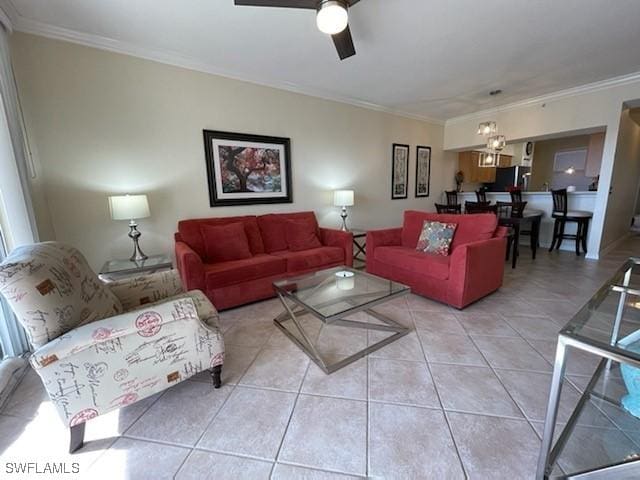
{"x": 541, "y": 201}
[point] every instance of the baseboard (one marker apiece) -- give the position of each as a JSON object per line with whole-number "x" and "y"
{"x": 565, "y": 247}
{"x": 614, "y": 244}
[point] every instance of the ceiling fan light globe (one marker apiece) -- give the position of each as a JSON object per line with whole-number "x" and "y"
{"x": 332, "y": 17}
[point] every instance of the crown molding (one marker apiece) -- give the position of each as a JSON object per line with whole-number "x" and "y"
{"x": 569, "y": 92}
{"x": 34, "y": 27}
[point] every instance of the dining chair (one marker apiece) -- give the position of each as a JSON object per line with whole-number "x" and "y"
{"x": 509, "y": 215}
{"x": 516, "y": 195}
{"x": 452, "y": 209}
{"x": 452, "y": 197}
{"x": 479, "y": 207}
{"x": 481, "y": 195}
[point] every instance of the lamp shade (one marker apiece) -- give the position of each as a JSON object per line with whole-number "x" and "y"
{"x": 343, "y": 198}
{"x": 129, "y": 207}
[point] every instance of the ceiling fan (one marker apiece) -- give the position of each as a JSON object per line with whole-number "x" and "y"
{"x": 332, "y": 18}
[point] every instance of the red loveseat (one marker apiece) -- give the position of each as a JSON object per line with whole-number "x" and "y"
{"x": 234, "y": 260}
{"x": 473, "y": 269}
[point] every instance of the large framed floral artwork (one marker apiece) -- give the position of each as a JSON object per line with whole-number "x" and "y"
{"x": 423, "y": 170}
{"x": 245, "y": 169}
{"x": 399, "y": 171}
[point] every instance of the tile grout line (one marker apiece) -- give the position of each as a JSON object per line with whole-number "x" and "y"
{"x": 444, "y": 412}
{"x": 122, "y": 435}
{"x": 233, "y": 389}
{"x": 293, "y": 408}
{"x": 286, "y": 429}
{"x": 525, "y": 417}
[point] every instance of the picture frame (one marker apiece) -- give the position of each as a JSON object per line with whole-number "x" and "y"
{"x": 399, "y": 171}
{"x": 423, "y": 171}
{"x": 247, "y": 169}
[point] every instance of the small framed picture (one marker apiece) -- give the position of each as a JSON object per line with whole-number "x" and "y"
{"x": 245, "y": 169}
{"x": 400, "y": 171}
{"x": 423, "y": 170}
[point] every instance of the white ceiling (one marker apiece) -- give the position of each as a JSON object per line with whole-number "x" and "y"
{"x": 435, "y": 59}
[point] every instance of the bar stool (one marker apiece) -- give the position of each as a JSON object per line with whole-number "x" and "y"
{"x": 562, "y": 215}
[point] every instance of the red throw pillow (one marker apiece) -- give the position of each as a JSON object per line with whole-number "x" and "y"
{"x": 301, "y": 235}
{"x": 223, "y": 243}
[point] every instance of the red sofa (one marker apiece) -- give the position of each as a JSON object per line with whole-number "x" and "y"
{"x": 473, "y": 269}
{"x": 240, "y": 264}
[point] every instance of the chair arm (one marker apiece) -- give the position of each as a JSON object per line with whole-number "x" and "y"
{"x": 139, "y": 325}
{"x": 190, "y": 266}
{"x": 478, "y": 263}
{"x": 382, "y": 238}
{"x": 337, "y": 238}
{"x": 136, "y": 291}
{"x": 113, "y": 362}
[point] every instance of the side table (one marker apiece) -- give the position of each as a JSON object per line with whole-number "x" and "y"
{"x": 360, "y": 244}
{"x": 119, "y": 269}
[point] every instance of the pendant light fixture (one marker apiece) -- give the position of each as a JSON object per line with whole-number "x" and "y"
{"x": 495, "y": 144}
{"x": 487, "y": 128}
{"x": 488, "y": 159}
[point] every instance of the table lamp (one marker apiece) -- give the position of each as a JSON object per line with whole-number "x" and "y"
{"x": 131, "y": 207}
{"x": 344, "y": 199}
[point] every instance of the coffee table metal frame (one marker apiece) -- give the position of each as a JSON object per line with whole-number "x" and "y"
{"x": 550, "y": 451}
{"x": 292, "y": 313}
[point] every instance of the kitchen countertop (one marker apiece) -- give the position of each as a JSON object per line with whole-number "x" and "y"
{"x": 531, "y": 193}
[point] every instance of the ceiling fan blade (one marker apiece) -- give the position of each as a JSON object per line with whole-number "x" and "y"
{"x": 344, "y": 43}
{"x": 310, "y": 4}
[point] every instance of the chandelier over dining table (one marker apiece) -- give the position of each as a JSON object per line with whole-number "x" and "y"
{"x": 495, "y": 144}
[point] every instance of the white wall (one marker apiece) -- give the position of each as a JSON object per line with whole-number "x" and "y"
{"x": 625, "y": 182}
{"x": 581, "y": 110}
{"x": 102, "y": 123}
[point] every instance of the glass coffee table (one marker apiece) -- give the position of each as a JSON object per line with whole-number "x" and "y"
{"x": 331, "y": 296}
{"x": 608, "y": 327}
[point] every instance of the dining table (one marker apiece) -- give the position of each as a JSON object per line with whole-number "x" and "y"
{"x": 530, "y": 217}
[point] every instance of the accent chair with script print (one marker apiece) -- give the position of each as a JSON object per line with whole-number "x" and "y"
{"x": 100, "y": 346}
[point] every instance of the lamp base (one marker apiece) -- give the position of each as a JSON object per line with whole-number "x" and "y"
{"x": 344, "y": 220}
{"x": 134, "y": 234}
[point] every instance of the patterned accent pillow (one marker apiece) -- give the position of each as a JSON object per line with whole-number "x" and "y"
{"x": 436, "y": 237}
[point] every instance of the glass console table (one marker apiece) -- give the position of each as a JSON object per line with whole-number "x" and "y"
{"x": 118, "y": 269}
{"x": 607, "y": 326}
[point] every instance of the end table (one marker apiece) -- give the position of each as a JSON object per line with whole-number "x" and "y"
{"x": 118, "y": 269}
{"x": 360, "y": 244}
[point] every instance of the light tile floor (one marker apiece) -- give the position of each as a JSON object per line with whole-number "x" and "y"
{"x": 461, "y": 396}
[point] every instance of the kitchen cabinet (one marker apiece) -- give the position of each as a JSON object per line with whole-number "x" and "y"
{"x": 468, "y": 165}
